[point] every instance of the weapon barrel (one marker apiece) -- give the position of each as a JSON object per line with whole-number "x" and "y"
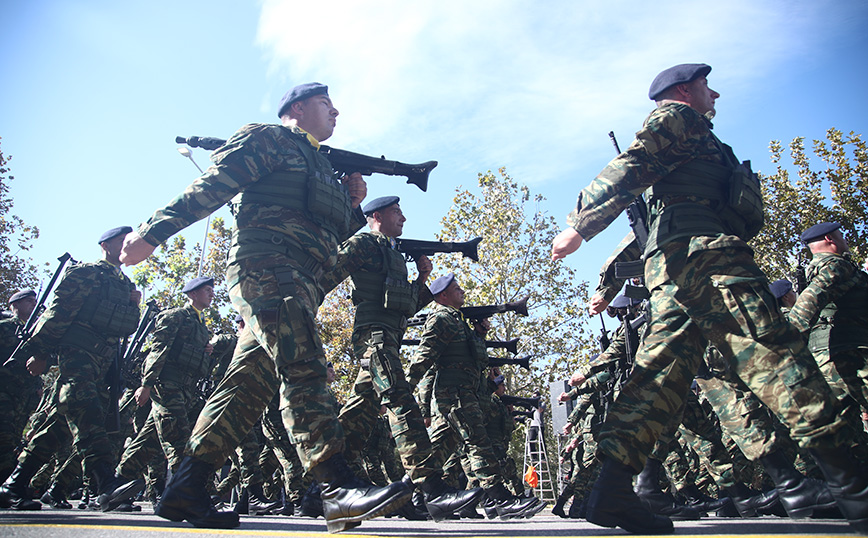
{"x": 523, "y": 362}
{"x": 414, "y": 248}
{"x": 479, "y": 312}
{"x": 349, "y": 162}
{"x": 527, "y": 403}
{"x": 509, "y": 345}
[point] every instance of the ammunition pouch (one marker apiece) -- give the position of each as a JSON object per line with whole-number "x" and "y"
{"x": 109, "y": 310}
{"x": 252, "y": 242}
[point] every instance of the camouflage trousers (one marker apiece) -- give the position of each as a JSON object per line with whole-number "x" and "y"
{"x": 277, "y": 439}
{"x": 278, "y": 350}
{"x": 384, "y": 382}
{"x": 19, "y": 396}
{"x": 722, "y": 297}
{"x": 460, "y": 407}
{"x": 165, "y": 431}
{"x": 78, "y": 407}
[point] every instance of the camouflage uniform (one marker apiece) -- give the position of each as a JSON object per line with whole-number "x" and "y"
{"x": 704, "y": 285}
{"x": 19, "y": 396}
{"x": 500, "y": 426}
{"x": 379, "y": 454}
{"x": 175, "y": 365}
{"x": 833, "y": 312}
{"x": 90, "y": 311}
{"x": 290, "y": 215}
{"x": 384, "y": 299}
{"x": 450, "y": 345}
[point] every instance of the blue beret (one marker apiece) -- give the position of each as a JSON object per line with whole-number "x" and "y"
{"x": 441, "y": 283}
{"x": 379, "y": 203}
{"x": 679, "y": 74}
{"x": 330, "y": 364}
{"x": 198, "y": 282}
{"x": 780, "y": 287}
{"x": 299, "y": 93}
{"x": 114, "y": 232}
{"x": 21, "y": 295}
{"x": 499, "y": 380}
{"x": 239, "y": 318}
{"x": 818, "y": 231}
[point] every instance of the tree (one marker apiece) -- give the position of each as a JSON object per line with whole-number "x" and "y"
{"x": 793, "y": 205}
{"x": 16, "y": 238}
{"x": 163, "y": 275}
{"x": 335, "y": 325}
{"x": 515, "y": 261}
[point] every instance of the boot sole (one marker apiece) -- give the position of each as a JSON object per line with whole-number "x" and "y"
{"x": 110, "y": 501}
{"x": 176, "y": 515}
{"x": 387, "y": 507}
{"x": 440, "y": 516}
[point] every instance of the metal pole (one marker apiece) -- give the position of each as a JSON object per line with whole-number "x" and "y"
{"x": 187, "y": 153}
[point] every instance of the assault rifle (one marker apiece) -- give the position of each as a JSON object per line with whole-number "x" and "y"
{"x": 479, "y": 312}
{"x": 524, "y": 362}
{"x": 527, "y": 403}
{"x": 25, "y": 332}
{"x": 413, "y": 248}
{"x": 344, "y": 162}
{"x": 516, "y": 413}
{"x": 509, "y": 345}
{"x": 604, "y": 334}
{"x": 132, "y": 349}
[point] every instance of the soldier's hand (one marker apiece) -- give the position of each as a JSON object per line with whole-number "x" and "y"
{"x": 357, "y": 187}
{"x": 136, "y": 296}
{"x": 427, "y": 421}
{"x": 36, "y": 365}
{"x": 568, "y": 427}
{"x": 135, "y": 249}
{"x": 563, "y": 397}
{"x": 577, "y": 380}
{"x": 566, "y": 242}
{"x": 424, "y": 266}
{"x": 597, "y": 304}
{"x": 142, "y": 395}
{"x": 209, "y": 348}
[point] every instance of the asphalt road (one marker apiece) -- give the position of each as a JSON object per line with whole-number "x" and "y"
{"x": 50, "y": 523}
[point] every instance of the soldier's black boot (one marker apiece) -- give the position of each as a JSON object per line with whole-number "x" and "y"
{"x": 800, "y": 496}
{"x": 55, "y": 497}
{"x": 415, "y": 510}
{"x": 847, "y": 483}
{"x": 257, "y": 502}
{"x": 347, "y": 501}
{"x": 613, "y": 503}
{"x": 509, "y": 506}
{"x": 701, "y": 502}
{"x": 14, "y": 492}
{"x": 114, "y": 490}
{"x": 655, "y": 499}
{"x": 186, "y": 498}
{"x": 311, "y": 502}
{"x": 749, "y": 503}
{"x": 558, "y": 508}
{"x": 443, "y": 500}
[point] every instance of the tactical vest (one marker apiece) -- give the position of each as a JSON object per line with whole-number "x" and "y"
{"x": 841, "y": 324}
{"x": 317, "y": 194}
{"x": 186, "y": 361}
{"x": 384, "y": 297}
{"x": 734, "y": 192}
{"x": 108, "y": 309}
{"x": 461, "y": 361}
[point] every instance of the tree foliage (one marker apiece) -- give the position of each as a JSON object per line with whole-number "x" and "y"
{"x": 795, "y": 201}
{"x": 16, "y": 238}
{"x": 163, "y": 275}
{"x": 515, "y": 261}
{"x": 335, "y": 325}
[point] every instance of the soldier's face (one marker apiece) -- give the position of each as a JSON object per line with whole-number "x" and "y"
{"x": 201, "y": 297}
{"x": 453, "y": 295}
{"x": 700, "y": 97}
{"x": 112, "y": 249}
{"x": 317, "y": 116}
{"x": 391, "y": 221}
{"x": 22, "y": 308}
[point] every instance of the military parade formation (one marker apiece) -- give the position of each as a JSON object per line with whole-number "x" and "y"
{"x": 720, "y": 392}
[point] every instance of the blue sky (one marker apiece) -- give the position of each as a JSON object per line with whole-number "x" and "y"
{"x": 94, "y": 93}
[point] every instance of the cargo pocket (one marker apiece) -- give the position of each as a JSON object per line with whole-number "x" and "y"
{"x": 750, "y": 303}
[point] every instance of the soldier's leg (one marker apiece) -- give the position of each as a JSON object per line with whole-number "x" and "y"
{"x": 358, "y": 414}
{"x": 144, "y": 448}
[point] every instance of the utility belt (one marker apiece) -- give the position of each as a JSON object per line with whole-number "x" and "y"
{"x": 252, "y": 242}
{"x": 84, "y": 338}
{"x": 455, "y": 377}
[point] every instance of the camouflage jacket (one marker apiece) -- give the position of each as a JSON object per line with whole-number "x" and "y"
{"x": 59, "y": 322}
{"x": 177, "y": 351}
{"x": 254, "y": 152}
{"x": 672, "y": 135}
{"x": 447, "y": 342}
{"x": 626, "y": 251}
{"x": 834, "y": 305}
{"x": 8, "y": 337}
{"x": 366, "y": 253}
{"x": 224, "y": 348}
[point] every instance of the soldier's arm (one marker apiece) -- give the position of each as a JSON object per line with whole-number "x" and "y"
{"x": 626, "y": 251}
{"x": 833, "y": 279}
{"x": 616, "y": 351}
{"x": 165, "y": 332}
{"x": 668, "y": 139}
{"x": 77, "y": 283}
{"x": 359, "y": 252}
{"x": 440, "y": 329}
